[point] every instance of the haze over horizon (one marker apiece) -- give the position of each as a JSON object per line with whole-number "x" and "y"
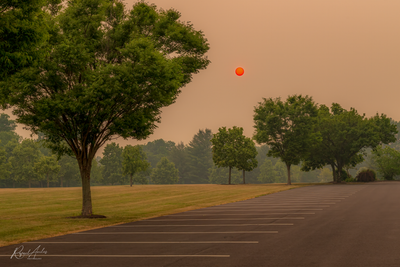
{"x": 335, "y": 51}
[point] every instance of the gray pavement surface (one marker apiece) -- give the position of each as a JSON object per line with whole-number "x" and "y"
{"x": 324, "y": 225}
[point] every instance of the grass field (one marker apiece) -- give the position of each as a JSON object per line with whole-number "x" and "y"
{"x": 36, "y": 213}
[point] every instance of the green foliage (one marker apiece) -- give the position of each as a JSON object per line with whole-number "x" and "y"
{"x": 200, "y": 157}
{"x": 165, "y": 172}
{"x": 350, "y": 180}
{"x": 22, "y": 32}
{"x": 387, "y": 162}
{"x": 280, "y": 171}
{"x": 69, "y": 174}
{"x": 23, "y": 160}
{"x": 134, "y": 161}
{"x": 180, "y": 157}
{"x": 6, "y": 125}
{"x": 220, "y": 175}
{"x": 96, "y": 173}
{"x": 103, "y": 72}
{"x": 112, "y": 162}
{"x": 267, "y": 172}
{"x": 345, "y": 136}
{"x": 157, "y": 149}
{"x": 366, "y": 175}
{"x": 232, "y": 149}
{"x": 287, "y": 128}
{"x": 47, "y": 168}
{"x": 325, "y": 175}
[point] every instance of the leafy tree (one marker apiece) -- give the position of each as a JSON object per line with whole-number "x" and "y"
{"x": 387, "y": 162}
{"x": 23, "y": 160}
{"x": 6, "y": 125}
{"x": 287, "y": 128}
{"x": 179, "y": 156}
{"x": 218, "y": 175}
{"x": 112, "y": 161}
{"x": 157, "y": 149}
{"x": 165, "y": 172}
{"x": 142, "y": 177}
{"x": 345, "y": 136}
{"x": 22, "y": 31}
{"x": 134, "y": 161}
{"x": 246, "y": 156}
{"x": 106, "y": 72}
{"x": 232, "y": 149}
{"x": 200, "y": 157}
{"x": 262, "y": 151}
{"x": 395, "y": 144}
{"x": 6, "y": 137}
{"x": 267, "y": 172}
{"x": 48, "y": 168}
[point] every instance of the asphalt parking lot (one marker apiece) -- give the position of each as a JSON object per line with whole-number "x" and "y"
{"x": 323, "y": 225}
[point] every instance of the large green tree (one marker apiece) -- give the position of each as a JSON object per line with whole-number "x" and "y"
{"x": 134, "y": 161}
{"x": 286, "y": 127}
{"x": 157, "y": 149}
{"x": 107, "y": 72}
{"x": 165, "y": 172}
{"x": 22, "y": 32}
{"x": 246, "y": 155}
{"x": 6, "y": 125}
{"x": 345, "y": 136}
{"x": 200, "y": 157}
{"x": 112, "y": 162}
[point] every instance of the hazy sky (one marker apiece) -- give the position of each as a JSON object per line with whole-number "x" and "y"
{"x": 343, "y": 51}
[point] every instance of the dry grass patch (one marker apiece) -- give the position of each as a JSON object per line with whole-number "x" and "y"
{"x": 36, "y": 213}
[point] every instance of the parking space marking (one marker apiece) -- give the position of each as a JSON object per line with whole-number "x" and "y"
{"x": 229, "y": 219}
{"x": 161, "y": 242}
{"x": 218, "y": 214}
{"x": 167, "y": 225}
{"x": 230, "y": 232}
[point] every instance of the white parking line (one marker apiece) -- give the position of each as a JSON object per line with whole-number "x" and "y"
{"x": 248, "y": 209}
{"x": 238, "y": 219}
{"x": 180, "y": 225}
{"x": 218, "y": 214}
{"x": 133, "y": 233}
{"x": 161, "y": 242}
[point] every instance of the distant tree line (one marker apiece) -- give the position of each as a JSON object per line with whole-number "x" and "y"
{"x": 26, "y": 163}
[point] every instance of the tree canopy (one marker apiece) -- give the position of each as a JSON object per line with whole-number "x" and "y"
{"x": 345, "y": 134}
{"x": 134, "y": 161}
{"x": 286, "y": 127}
{"x": 106, "y": 72}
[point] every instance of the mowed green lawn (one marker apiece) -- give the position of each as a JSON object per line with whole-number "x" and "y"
{"x": 36, "y": 213}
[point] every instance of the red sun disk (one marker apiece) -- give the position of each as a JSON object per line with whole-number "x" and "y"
{"x": 239, "y": 71}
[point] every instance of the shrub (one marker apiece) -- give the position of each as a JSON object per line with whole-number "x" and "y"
{"x": 350, "y": 180}
{"x": 367, "y": 175}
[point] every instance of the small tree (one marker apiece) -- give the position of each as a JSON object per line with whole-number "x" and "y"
{"x": 48, "y": 168}
{"x": 165, "y": 172}
{"x": 225, "y": 147}
{"x": 134, "y": 161}
{"x": 287, "y": 128}
{"x": 246, "y": 155}
{"x": 112, "y": 162}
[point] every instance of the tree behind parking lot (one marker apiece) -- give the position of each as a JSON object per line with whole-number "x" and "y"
{"x": 107, "y": 72}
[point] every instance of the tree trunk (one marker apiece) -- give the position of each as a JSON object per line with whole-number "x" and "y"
{"x": 289, "y": 182}
{"x": 131, "y": 180}
{"x": 339, "y": 173}
{"x": 85, "y": 166}
{"x": 244, "y": 179}
{"x": 230, "y": 175}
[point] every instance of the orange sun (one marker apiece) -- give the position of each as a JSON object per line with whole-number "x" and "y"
{"x": 239, "y": 71}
